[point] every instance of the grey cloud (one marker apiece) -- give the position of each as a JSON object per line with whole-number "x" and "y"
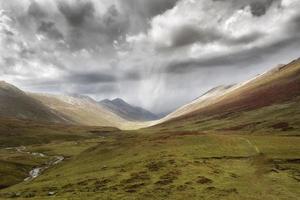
{"x": 96, "y": 89}
{"x": 132, "y": 76}
{"x": 76, "y": 14}
{"x": 36, "y": 11}
{"x": 246, "y": 57}
{"x": 50, "y": 30}
{"x": 85, "y": 27}
{"x": 8, "y": 33}
{"x": 188, "y": 34}
{"x": 246, "y": 39}
{"x": 141, "y": 11}
{"x": 156, "y": 7}
{"x": 259, "y": 8}
{"x": 89, "y": 78}
{"x": 294, "y": 26}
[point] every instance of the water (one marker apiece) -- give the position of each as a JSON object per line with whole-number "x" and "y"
{"x": 37, "y": 171}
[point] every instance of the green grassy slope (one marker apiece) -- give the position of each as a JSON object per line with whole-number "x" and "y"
{"x": 41, "y": 138}
{"x": 174, "y": 165}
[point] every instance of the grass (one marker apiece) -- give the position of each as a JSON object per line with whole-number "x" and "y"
{"x": 275, "y": 119}
{"x": 139, "y": 165}
{"x": 50, "y": 139}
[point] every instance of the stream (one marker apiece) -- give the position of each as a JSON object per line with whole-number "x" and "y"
{"x": 37, "y": 171}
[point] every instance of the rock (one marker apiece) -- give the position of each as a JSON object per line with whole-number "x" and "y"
{"x": 51, "y": 193}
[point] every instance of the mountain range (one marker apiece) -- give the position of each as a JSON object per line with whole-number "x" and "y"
{"x": 277, "y": 86}
{"x": 69, "y": 109}
{"x": 127, "y": 111}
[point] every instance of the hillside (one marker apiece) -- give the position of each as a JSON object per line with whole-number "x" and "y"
{"x": 276, "y": 91}
{"x": 127, "y": 111}
{"x": 14, "y": 103}
{"x": 200, "y": 102}
{"x": 81, "y": 109}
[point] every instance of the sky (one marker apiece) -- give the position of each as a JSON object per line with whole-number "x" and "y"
{"x": 158, "y": 54}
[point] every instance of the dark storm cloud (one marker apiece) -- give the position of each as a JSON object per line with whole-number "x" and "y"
{"x": 259, "y": 8}
{"x": 36, "y": 11}
{"x": 244, "y": 58}
{"x": 50, "y": 30}
{"x": 294, "y": 25}
{"x": 189, "y": 34}
{"x": 141, "y": 11}
{"x": 77, "y": 13}
{"x": 89, "y": 78}
{"x": 151, "y": 8}
{"x": 97, "y": 77}
{"x": 90, "y": 30}
{"x": 115, "y": 23}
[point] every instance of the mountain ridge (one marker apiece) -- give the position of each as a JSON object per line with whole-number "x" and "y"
{"x": 15, "y": 103}
{"x": 127, "y": 111}
{"x": 278, "y": 86}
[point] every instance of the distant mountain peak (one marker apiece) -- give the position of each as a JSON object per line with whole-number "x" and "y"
{"x": 105, "y": 101}
{"x": 127, "y": 111}
{"x": 118, "y": 100}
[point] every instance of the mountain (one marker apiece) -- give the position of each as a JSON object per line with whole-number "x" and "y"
{"x": 14, "y": 103}
{"x": 269, "y": 101}
{"x": 200, "y": 102}
{"x": 81, "y": 109}
{"x": 127, "y": 111}
{"x": 66, "y": 109}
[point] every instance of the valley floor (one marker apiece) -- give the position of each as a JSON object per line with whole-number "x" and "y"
{"x": 161, "y": 165}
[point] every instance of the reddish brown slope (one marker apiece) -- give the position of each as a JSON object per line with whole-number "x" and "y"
{"x": 277, "y": 86}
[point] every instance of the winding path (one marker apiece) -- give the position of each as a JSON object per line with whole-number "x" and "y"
{"x": 252, "y": 145}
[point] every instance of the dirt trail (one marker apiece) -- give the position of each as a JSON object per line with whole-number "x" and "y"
{"x": 252, "y": 145}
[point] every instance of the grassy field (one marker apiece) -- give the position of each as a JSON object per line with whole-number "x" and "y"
{"x": 49, "y": 139}
{"x": 168, "y": 165}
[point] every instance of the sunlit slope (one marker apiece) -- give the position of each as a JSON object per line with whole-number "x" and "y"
{"x": 271, "y": 99}
{"x": 204, "y": 100}
{"x": 14, "y": 103}
{"x": 82, "y": 110}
